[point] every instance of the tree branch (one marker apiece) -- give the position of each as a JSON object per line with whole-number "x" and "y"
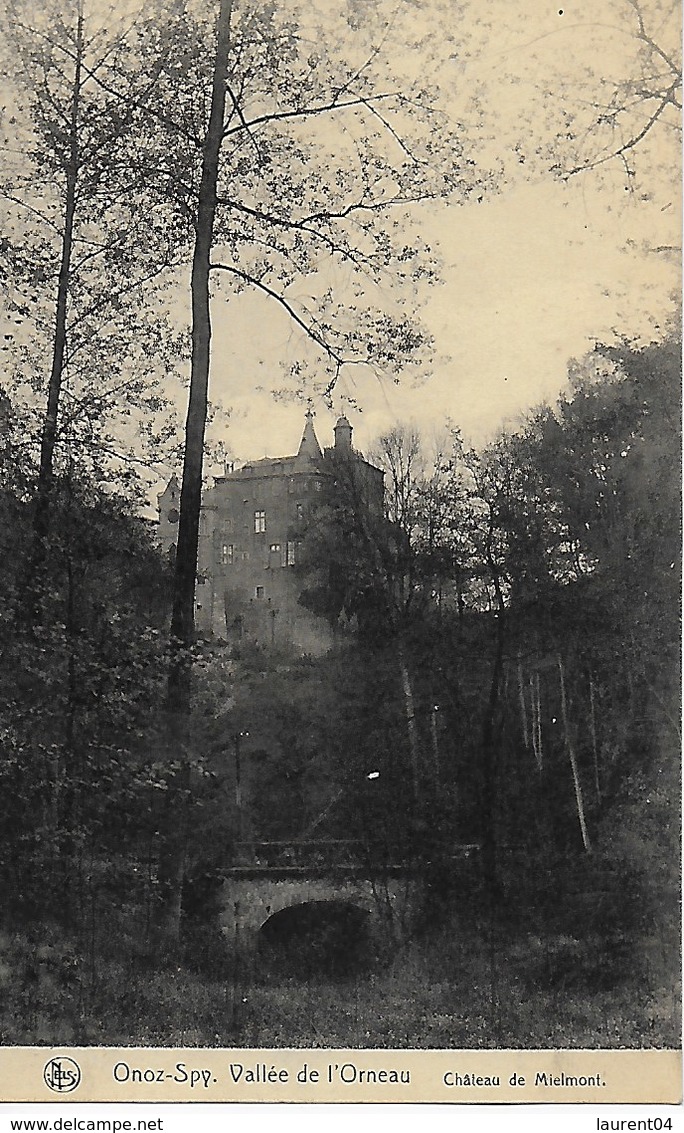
{"x": 645, "y": 38}
{"x": 297, "y": 225}
{"x": 390, "y": 129}
{"x": 31, "y": 209}
{"x": 308, "y": 329}
{"x": 666, "y": 100}
{"x": 244, "y": 123}
{"x": 306, "y": 112}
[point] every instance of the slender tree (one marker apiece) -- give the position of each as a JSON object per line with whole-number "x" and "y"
{"x": 85, "y": 246}
{"x": 172, "y": 863}
{"x": 305, "y": 165}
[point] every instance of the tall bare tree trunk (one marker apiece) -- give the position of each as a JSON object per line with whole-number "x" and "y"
{"x": 409, "y": 707}
{"x": 573, "y": 760}
{"x": 41, "y": 516}
{"x": 535, "y": 701}
{"x": 491, "y": 731}
{"x": 178, "y": 698}
{"x": 594, "y": 742}
{"x": 490, "y": 739}
{"x": 435, "y": 744}
{"x": 523, "y": 706}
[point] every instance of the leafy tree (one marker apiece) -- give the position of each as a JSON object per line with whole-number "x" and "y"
{"x": 298, "y": 160}
{"x": 83, "y": 245}
{"x": 630, "y": 110}
{"x": 597, "y": 93}
{"x": 275, "y": 196}
{"x": 599, "y": 623}
{"x": 78, "y": 720}
{"x": 565, "y": 532}
{"x": 374, "y": 565}
{"x": 420, "y": 501}
{"x": 351, "y": 560}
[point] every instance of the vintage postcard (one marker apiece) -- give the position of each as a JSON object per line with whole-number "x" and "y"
{"x": 341, "y": 566}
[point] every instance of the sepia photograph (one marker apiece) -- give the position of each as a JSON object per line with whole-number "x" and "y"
{"x": 340, "y": 440}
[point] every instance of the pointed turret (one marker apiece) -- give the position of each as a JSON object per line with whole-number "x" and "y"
{"x": 309, "y": 448}
{"x": 170, "y": 495}
{"x": 168, "y": 504}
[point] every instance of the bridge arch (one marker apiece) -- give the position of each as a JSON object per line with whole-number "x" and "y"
{"x": 253, "y": 898}
{"x": 335, "y": 935}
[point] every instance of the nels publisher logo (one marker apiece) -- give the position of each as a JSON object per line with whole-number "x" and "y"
{"x": 62, "y": 1074}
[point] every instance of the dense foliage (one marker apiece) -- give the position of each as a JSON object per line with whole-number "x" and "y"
{"x": 505, "y": 676}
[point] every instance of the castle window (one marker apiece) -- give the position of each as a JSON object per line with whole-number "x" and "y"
{"x": 259, "y": 522}
{"x": 258, "y": 591}
{"x": 291, "y": 553}
{"x": 227, "y": 554}
{"x": 317, "y": 485}
{"x": 300, "y": 511}
{"x": 274, "y": 548}
{"x": 173, "y": 515}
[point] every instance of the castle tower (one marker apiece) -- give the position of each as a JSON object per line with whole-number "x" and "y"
{"x": 343, "y": 435}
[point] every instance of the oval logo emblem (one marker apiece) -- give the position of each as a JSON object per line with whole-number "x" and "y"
{"x": 62, "y": 1074}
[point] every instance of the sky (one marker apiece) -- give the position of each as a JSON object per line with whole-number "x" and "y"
{"x": 532, "y": 276}
{"x": 532, "y": 279}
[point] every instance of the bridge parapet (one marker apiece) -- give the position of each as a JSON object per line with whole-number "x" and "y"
{"x": 268, "y": 877}
{"x": 335, "y": 854}
{"x": 301, "y": 853}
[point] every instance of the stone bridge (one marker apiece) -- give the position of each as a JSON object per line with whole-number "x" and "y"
{"x": 282, "y": 876}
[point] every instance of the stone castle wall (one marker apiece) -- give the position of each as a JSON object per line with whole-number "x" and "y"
{"x": 249, "y": 528}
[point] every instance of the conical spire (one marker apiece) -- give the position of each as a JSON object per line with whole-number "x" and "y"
{"x": 309, "y": 448}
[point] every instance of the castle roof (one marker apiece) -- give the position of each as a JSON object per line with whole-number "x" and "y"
{"x": 309, "y": 447}
{"x": 309, "y": 454}
{"x": 172, "y": 487}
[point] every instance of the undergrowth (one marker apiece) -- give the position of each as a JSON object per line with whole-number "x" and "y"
{"x": 589, "y": 970}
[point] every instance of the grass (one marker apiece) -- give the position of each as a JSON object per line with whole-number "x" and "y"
{"x": 480, "y": 981}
